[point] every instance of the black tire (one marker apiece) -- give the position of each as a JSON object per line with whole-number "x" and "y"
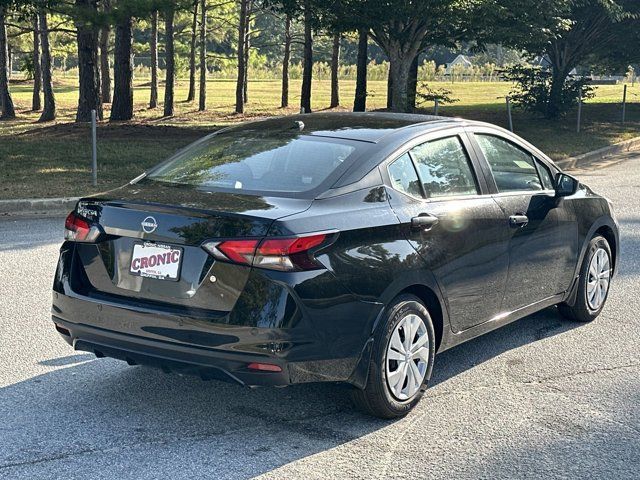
{"x": 376, "y": 397}
{"x": 580, "y": 311}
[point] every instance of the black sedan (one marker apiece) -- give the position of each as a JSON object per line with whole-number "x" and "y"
{"x": 331, "y": 247}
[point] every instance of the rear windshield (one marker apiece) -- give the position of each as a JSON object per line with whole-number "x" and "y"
{"x": 257, "y": 162}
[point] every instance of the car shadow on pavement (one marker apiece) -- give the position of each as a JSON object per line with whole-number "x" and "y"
{"x": 540, "y": 325}
{"x": 85, "y": 410}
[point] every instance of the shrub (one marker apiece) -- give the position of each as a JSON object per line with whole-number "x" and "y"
{"x": 28, "y": 68}
{"x": 532, "y": 90}
{"x": 426, "y": 94}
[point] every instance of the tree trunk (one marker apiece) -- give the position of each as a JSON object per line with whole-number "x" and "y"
{"x": 105, "y": 75}
{"x": 284, "y": 102}
{"x": 122, "y": 108}
{"x": 36, "y": 104}
{"x": 307, "y": 73}
{"x": 335, "y": 70}
{"x": 559, "y": 73}
{"x": 400, "y": 65}
{"x": 192, "y": 54}
{"x": 153, "y": 99}
{"x": 241, "y": 66}
{"x": 389, "y": 89}
{"x": 247, "y": 46}
{"x": 49, "y": 111}
{"x": 360, "y": 101}
{"x": 412, "y": 85}
{"x": 202, "y": 101}
{"x": 6, "y": 103}
{"x": 554, "y": 105}
{"x": 88, "y": 72}
{"x": 170, "y": 61}
{"x": 401, "y": 50}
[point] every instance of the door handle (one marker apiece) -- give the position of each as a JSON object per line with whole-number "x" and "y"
{"x": 424, "y": 221}
{"x": 518, "y": 221}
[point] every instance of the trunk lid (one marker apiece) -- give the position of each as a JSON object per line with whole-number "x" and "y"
{"x": 173, "y": 218}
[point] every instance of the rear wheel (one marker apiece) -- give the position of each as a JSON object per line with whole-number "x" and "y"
{"x": 402, "y": 359}
{"x": 593, "y": 284}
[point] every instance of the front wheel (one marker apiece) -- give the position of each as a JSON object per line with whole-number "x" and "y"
{"x": 402, "y": 359}
{"x": 593, "y": 284}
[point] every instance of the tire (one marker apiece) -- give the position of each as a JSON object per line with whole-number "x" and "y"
{"x": 584, "y": 309}
{"x": 378, "y": 397}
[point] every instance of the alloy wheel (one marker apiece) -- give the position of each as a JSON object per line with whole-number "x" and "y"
{"x": 407, "y": 357}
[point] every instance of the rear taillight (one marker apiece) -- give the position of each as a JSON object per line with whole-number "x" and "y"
{"x": 77, "y": 229}
{"x": 239, "y": 251}
{"x": 286, "y": 254}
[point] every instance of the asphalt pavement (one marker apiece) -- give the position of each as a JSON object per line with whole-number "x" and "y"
{"x": 540, "y": 398}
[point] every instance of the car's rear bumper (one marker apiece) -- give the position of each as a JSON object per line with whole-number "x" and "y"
{"x": 170, "y": 357}
{"x": 212, "y": 350}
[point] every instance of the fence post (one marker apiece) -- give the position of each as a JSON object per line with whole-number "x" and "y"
{"x": 579, "y": 112}
{"x": 509, "y": 113}
{"x": 94, "y": 150}
{"x": 436, "y": 105}
{"x": 624, "y": 103}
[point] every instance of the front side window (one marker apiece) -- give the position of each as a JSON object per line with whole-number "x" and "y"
{"x": 404, "y": 177}
{"x": 257, "y": 161}
{"x": 513, "y": 168}
{"x": 444, "y": 168}
{"x": 545, "y": 175}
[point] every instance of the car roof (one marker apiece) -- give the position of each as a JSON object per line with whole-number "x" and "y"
{"x": 361, "y": 126}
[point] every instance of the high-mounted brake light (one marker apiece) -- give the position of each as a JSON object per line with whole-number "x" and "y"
{"x": 76, "y": 228}
{"x": 286, "y": 254}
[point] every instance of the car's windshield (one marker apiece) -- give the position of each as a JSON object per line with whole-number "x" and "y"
{"x": 257, "y": 161}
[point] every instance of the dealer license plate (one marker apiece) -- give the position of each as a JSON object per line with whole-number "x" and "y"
{"x": 155, "y": 260}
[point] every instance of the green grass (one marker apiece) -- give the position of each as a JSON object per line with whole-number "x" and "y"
{"x": 53, "y": 159}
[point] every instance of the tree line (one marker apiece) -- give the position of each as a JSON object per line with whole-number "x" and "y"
{"x": 603, "y": 34}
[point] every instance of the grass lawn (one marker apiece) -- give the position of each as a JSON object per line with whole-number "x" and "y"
{"x": 53, "y": 159}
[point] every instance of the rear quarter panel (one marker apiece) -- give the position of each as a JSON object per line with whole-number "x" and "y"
{"x": 371, "y": 257}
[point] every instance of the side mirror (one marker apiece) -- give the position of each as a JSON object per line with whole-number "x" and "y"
{"x": 566, "y": 185}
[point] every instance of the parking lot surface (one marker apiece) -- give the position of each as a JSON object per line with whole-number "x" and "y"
{"x": 540, "y": 398}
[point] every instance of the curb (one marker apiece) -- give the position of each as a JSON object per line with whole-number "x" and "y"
{"x": 573, "y": 163}
{"x": 38, "y": 206}
{"x": 62, "y": 206}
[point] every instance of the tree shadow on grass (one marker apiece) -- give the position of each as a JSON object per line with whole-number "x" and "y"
{"x": 117, "y": 130}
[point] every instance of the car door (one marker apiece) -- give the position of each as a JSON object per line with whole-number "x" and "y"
{"x": 454, "y": 225}
{"x": 539, "y": 248}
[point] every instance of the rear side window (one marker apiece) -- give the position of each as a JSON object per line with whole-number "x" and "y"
{"x": 404, "y": 177}
{"x": 257, "y": 161}
{"x": 444, "y": 168}
{"x": 513, "y": 168}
